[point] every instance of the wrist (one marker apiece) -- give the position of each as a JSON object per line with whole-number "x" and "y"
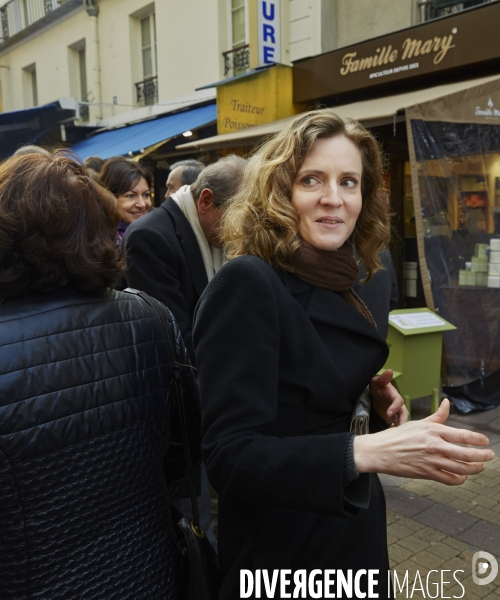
{"x": 363, "y": 453}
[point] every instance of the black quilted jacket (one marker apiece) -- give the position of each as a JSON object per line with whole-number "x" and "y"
{"x": 84, "y": 426}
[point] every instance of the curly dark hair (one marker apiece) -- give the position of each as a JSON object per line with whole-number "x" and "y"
{"x": 57, "y": 228}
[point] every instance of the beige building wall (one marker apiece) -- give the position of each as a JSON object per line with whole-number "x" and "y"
{"x": 47, "y": 53}
{"x": 359, "y": 20}
{"x": 187, "y": 54}
{"x": 317, "y": 26}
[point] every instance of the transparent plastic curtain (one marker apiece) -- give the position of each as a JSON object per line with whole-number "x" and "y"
{"x": 455, "y": 167}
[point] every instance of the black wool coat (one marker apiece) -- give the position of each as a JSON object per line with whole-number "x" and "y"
{"x": 164, "y": 260}
{"x": 280, "y": 365}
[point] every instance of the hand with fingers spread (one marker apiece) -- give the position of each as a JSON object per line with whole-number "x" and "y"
{"x": 387, "y": 401}
{"x": 425, "y": 449}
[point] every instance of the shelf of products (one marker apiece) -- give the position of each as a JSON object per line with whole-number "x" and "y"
{"x": 473, "y": 202}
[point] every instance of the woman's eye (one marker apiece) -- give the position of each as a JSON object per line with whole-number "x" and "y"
{"x": 350, "y": 183}
{"x": 309, "y": 180}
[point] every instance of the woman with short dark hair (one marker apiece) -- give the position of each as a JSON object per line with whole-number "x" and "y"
{"x": 284, "y": 349}
{"x": 131, "y": 185}
{"x": 85, "y": 407}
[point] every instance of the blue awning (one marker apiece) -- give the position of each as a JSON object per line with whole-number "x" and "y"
{"x": 133, "y": 139}
{"x": 30, "y": 125}
{"x": 37, "y": 117}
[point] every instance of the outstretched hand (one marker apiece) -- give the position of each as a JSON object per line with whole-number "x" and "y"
{"x": 387, "y": 401}
{"x": 425, "y": 449}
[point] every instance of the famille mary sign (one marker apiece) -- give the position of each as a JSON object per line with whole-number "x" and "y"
{"x": 268, "y": 20}
{"x": 462, "y": 40}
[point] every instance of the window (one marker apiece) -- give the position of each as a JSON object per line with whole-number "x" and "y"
{"x": 30, "y": 86}
{"x": 238, "y": 29}
{"x": 147, "y": 89}
{"x": 34, "y": 87}
{"x": 236, "y": 59}
{"x": 148, "y": 43}
{"x": 82, "y": 69}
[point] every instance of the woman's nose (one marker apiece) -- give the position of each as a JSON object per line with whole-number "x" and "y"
{"x": 332, "y": 195}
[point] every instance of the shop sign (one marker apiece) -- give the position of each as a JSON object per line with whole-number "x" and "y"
{"x": 429, "y": 48}
{"x": 488, "y": 111}
{"x": 254, "y": 100}
{"x": 268, "y": 20}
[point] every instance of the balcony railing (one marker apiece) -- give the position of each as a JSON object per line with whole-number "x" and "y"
{"x": 236, "y": 60}
{"x": 17, "y": 15}
{"x": 433, "y": 9}
{"x": 147, "y": 91}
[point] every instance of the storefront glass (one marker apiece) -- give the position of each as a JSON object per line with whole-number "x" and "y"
{"x": 455, "y": 172}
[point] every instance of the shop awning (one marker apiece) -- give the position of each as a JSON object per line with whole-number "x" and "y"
{"x": 134, "y": 139}
{"x": 379, "y": 111}
{"x": 39, "y": 116}
{"x": 28, "y": 126}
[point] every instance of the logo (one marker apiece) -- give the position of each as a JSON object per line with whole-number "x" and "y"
{"x": 491, "y": 111}
{"x": 483, "y": 563}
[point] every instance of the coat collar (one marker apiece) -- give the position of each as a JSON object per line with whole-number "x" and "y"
{"x": 189, "y": 245}
{"x": 328, "y": 308}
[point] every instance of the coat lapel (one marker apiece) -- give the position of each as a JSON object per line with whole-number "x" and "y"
{"x": 189, "y": 245}
{"x": 328, "y": 309}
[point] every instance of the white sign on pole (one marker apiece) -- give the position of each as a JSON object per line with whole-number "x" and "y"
{"x": 268, "y": 19}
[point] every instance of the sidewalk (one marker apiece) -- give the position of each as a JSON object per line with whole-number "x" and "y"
{"x": 434, "y": 526}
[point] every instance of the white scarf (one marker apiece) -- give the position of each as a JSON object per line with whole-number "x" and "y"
{"x": 213, "y": 258}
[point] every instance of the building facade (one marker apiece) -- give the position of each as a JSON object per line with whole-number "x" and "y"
{"x": 115, "y": 55}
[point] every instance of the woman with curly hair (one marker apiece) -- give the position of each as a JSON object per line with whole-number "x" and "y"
{"x": 284, "y": 350}
{"x": 84, "y": 398}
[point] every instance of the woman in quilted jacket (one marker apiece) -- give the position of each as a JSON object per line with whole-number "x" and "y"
{"x": 85, "y": 409}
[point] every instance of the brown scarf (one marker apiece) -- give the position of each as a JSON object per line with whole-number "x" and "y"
{"x": 333, "y": 270}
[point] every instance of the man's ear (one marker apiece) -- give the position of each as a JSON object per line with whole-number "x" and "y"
{"x": 205, "y": 201}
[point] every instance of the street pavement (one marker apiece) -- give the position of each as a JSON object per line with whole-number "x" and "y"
{"x": 435, "y": 527}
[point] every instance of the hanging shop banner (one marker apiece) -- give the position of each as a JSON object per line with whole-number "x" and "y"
{"x": 259, "y": 98}
{"x": 454, "y": 147}
{"x": 461, "y": 40}
{"x": 268, "y": 19}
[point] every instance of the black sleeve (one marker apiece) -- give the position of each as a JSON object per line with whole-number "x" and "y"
{"x": 153, "y": 267}
{"x": 237, "y": 341}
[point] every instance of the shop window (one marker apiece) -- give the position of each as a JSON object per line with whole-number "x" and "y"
{"x": 455, "y": 179}
{"x": 236, "y": 59}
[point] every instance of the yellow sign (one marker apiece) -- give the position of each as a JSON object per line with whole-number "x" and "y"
{"x": 260, "y": 98}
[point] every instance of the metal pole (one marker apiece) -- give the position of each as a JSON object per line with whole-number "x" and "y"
{"x": 93, "y": 54}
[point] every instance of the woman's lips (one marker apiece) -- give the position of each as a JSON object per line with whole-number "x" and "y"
{"x": 332, "y": 223}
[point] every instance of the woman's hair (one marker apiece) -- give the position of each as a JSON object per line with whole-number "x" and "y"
{"x": 57, "y": 228}
{"x": 119, "y": 175}
{"x": 262, "y": 220}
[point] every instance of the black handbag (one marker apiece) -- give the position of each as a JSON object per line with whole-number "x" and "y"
{"x": 199, "y": 575}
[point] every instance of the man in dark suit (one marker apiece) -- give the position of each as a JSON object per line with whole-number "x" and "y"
{"x": 174, "y": 251}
